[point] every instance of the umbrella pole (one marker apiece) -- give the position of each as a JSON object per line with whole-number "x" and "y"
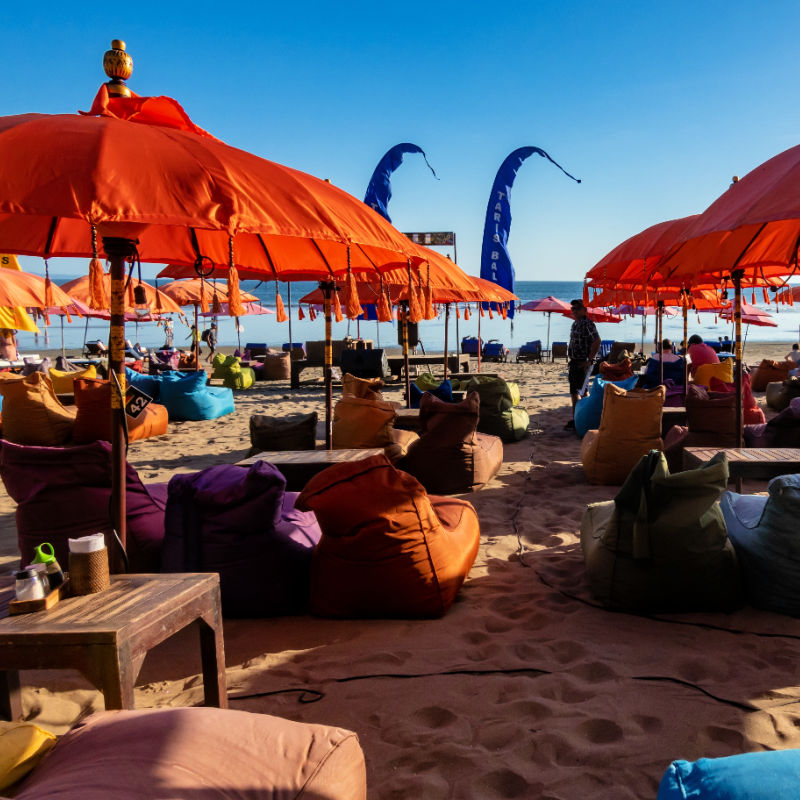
{"x": 644, "y": 329}
{"x": 117, "y": 250}
{"x": 403, "y": 311}
{"x": 686, "y": 351}
{"x": 660, "y": 337}
{"x": 549, "y": 314}
{"x": 63, "y": 351}
{"x": 196, "y": 342}
{"x": 239, "y": 334}
{"x": 327, "y": 290}
{"x": 446, "y": 328}
{"x": 479, "y": 338}
{"x": 737, "y": 276}
{"x": 289, "y": 299}
{"x": 458, "y": 340}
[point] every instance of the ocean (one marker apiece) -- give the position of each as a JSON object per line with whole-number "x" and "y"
{"x": 526, "y": 326}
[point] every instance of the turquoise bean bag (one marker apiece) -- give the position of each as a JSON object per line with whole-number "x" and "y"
{"x": 765, "y": 536}
{"x": 188, "y": 397}
{"x": 589, "y": 409}
{"x": 149, "y": 384}
{"x": 770, "y": 775}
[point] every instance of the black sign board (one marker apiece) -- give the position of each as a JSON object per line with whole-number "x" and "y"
{"x": 136, "y": 401}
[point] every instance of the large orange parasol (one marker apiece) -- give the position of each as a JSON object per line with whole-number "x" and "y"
{"x": 30, "y": 291}
{"x": 156, "y": 302}
{"x": 199, "y": 292}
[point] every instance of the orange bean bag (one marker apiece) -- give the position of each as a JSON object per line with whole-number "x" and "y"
{"x": 93, "y": 421}
{"x": 387, "y": 548}
{"x": 769, "y": 371}
{"x": 629, "y": 428}
{"x": 707, "y": 372}
{"x": 367, "y": 388}
{"x": 32, "y": 414}
{"x": 360, "y": 422}
{"x": 616, "y": 372}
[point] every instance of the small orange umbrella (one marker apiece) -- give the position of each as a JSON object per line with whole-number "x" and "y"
{"x": 157, "y": 302}
{"x": 197, "y": 292}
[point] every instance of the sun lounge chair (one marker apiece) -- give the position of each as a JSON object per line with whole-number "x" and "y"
{"x": 495, "y": 350}
{"x": 470, "y": 345}
{"x": 95, "y": 348}
{"x": 558, "y": 350}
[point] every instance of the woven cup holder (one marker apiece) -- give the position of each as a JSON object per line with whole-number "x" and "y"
{"x": 88, "y": 572}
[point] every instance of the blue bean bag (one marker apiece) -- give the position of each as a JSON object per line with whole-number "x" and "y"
{"x": 673, "y": 370}
{"x": 444, "y": 391}
{"x": 589, "y": 409}
{"x": 770, "y": 775}
{"x": 188, "y": 397}
{"x": 149, "y": 384}
{"x": 764, "y": 534}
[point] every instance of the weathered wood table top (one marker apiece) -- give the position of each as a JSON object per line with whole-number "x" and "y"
{"x": 748, "y": 462}
{"x": 320, "y": 458}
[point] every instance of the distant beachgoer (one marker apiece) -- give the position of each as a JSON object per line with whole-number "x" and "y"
{"x": 210, "y": 338}
{"x": 700, "y": 353}
{"x": 169, "y": 335}
{"x": 795, "y": 354}
{"x": 8, "y": 344}
{"x": 195, "y": 337}
{"x": 584, "y": 342}
{"x": 668, "y": 355}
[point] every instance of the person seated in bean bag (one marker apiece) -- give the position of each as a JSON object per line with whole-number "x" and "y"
{"x": 387, "y": 548}
{"x": 451, "y": 456}
{"x": 700, "y": 353}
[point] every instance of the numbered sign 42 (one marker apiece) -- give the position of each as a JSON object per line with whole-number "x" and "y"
{"x": 136, "y": 401}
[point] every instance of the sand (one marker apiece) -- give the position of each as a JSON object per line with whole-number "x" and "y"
{"x": 526, "y": 688}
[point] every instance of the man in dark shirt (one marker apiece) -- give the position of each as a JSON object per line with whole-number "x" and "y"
{"x": 584, "y": 342}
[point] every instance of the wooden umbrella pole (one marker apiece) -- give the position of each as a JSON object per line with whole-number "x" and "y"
{"x": 403, "y": 311}
{"x": 547, "y": 345}
{"x": 458, "y": 338}
{"x": 479, "y": 338}
{"x": 117, "y": 250}
{"x": 327, "y": 291}
{"x": 685, "y": 350}
{"x": 446, "y": 329}
{"x": 289, "y": 302}
{"x": 660, "y": 337}
{"x": 737, "y": 276}
{"x": 196, "y": 341}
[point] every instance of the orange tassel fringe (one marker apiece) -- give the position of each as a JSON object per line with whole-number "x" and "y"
{"x": 98, "y": 299}
{"x": 235, "y": 307}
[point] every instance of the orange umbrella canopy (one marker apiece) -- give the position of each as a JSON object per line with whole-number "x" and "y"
{"x": 194, "y": 292}
{"x": 140, "y": 169}
{"x": 30, "y": 291}
{"x": 157, "y": 302}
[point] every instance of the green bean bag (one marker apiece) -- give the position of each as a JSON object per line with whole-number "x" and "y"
{"x": 233, "y": 374}
{"x": 499, "y": 413}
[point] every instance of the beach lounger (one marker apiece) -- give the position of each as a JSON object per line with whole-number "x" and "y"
{"x": 530, "y": 351}
{"x": 558, "y": 350}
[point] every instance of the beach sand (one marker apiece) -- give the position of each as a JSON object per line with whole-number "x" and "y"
{"x": 526, "y": 688}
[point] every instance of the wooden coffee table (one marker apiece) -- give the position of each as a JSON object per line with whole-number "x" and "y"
{"x": 300, "y": 466}
{"x": 748, "y": 462}
{"x": 107, "y": 635}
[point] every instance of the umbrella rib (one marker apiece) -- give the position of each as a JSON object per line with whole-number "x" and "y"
{"x": 322, "y": 256}
{"x": 747, "y": 246}
{"x": 50, "y": 236}
{"x": 266, "y": 253}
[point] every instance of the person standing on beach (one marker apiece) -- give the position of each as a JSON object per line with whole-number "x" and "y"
{"x": 210, "y": 338}
{"x": 584, "y": 342}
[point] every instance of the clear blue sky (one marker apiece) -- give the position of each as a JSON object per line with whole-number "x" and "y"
{"x": 654, "y": 105}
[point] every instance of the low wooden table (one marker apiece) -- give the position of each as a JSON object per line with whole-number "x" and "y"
{"x": 748, "y": 462}
{"x": 299, "y": 466}
{"x": 407, "y": 419}
{"x": 454, "y": 363}
{"x": 107, "y": 635}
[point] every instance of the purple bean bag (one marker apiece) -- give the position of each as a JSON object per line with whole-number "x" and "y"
{"x": 63, "y": 492}
{"x": 241, "y": 523}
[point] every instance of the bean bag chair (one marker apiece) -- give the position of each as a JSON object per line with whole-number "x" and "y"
{"x": 277, "y": 367}
{"x": 768, "y": 775}
{"x": 292, "y": 432}
{"x": 32, "y": 414}
{"x": 443, "y": 391}
{"x": 188, "y": 397}
{"x": 769, "y": 371}
{"x": 359, "y": 422}
{"x": 450, "y": 456}
{"x": 674, "y": 371}
{"x": 93, "y": 420}
{"x": 783, "y": 430}
{"x": 660, "y": 545}
{"x": 500, "y": 415}
{"x": 241, "y": 522}
{"x": 387, "y": 549}
{"x": 366, "y": 388}
{"x": 619, "y": 371}
{"x": 63, "y": 492}
{"x": 630, "y": 427}
{"x": 187, "y": 361}
{"x": 722, "y": 372}
{"x": 764, "y": 533}
{"x": 199, "y": 754}
{"x": 149, "y": 384}
{"x": 62, "y": 380}
{"x": 751, "y": 413}
{"x": 35, "y": 364}
{"x": 232, "y": 373}
{"x": 589, "y": 409}
{"x": 780, "y": 393}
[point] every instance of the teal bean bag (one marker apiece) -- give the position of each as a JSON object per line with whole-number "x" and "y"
{"x": 770, "y": 775}
{"x": 188, "y": 397}
{"x": 149, "y": 384}
{"x": 589, "y": 410}
{"x": 765, "y": 536}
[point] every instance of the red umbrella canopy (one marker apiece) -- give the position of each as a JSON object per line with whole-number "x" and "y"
{"x": 597, "y": 315}
{"x": 754, "y": 226}
{"x": 138, "y": 168}
{"x": 752, "y": 315}
{"x": 546, "y": 304}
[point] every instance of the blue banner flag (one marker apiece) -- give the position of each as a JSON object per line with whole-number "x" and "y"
{"x": 379, "y": 191}
{"x": 496, "y": 263}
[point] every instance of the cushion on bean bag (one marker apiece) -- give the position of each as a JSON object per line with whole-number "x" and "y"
{"x": 443, "y": 391}
{"x": 616, "y": 372}
{"x": 93, "y": 420}
{"x": 661, "y": 545}
{"x": 183, "y": 753}
{"x": 62, "y": 380}
{"x": 450, "y": 456}
{"x": 767, "y": 775}
{"x": 32, "y": 414}
{"x": 589, "y": 409}
{"x": 359, "y": 422}
{"x": 387, "y": 549}
{"x": 722, "y": 371}
{"x": 712, "y": 415}
{"x": 630, "y": 427}
{"x": 366, "y": 388}
{"x": 769, "y": 371}
{"x": 751, "y": 413}
{"x": 188, "y": 397}
{"x": 240, "y": 522}
{"x": 292, "y": 432}
{"x": 674, "y": 371}
{"x": 22, "y": 746}
{"x": 764, "y": 532}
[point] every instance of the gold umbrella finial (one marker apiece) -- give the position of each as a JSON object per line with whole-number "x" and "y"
{"x": 118, "y": 65}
